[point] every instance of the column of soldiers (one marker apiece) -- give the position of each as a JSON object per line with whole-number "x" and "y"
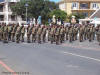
{"x": 55, "y": 33}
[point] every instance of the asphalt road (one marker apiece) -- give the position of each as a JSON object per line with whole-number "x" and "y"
{"x": 50, "y": 59}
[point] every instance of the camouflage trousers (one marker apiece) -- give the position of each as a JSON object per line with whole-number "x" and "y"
{"x": 80, "y": 37}
{"x": 17, "y": 38}
{"x": 33, "y": 37}
{"x": 57, "y": 39}
{"x": 13, "y": 37}
{"x": 5, "y": 37}
{"x": 28, "y": 38}
{"x": 22, "y": 37}
{"x": 39, "y": 38}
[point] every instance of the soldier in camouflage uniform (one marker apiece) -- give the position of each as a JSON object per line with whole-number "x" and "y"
{"x": 5, "y": 33}
{"x": 61, "y": 34}
{"x": 66, "y": 32}
{"x": 1, "y": 31}
{"x": 93, "y": 32}
{"x": 57, "y": 35}
{"x": 70, "y": 33}
{"x": 85, "y": 32}
{"x": 49, "y": 29}
{"x": 18, "y": 33}
{"x": 81, "y": 32}
{"x": 22, "y": 33}
{"x": 98, "y": 34}
{"x": 34, "y": 30}
{"x": 44, "y": 34}
{"x": 9, "y": 32}
{"x": 90, "y": 33}
{"x": 14, "y": 28}
{"x": 29, "y": 30}
{"x": 39, "y": 32}
{"x": 52, "y": 34}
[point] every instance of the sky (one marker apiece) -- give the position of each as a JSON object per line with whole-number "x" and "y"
{"x": 55, "y": 0}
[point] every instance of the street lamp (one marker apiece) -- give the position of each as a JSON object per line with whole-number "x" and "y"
{"x": 26, "y": 5}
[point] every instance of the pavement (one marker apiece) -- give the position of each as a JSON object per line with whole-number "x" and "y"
{"x": 49, "y": 59}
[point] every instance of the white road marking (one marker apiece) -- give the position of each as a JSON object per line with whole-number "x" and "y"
{"x": 72, "y": 66}
{"x": 82, "y": 56}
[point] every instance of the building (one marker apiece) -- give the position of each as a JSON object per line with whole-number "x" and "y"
{"x": 6, "y": 15}
{"x": 86, "y": 7}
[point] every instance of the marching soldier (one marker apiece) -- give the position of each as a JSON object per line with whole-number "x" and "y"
{"x": 70, "y": 33}
{"x": 90, "y": 33}
{"x": 49, "y": 29}
{"x": 1, "y": 31}
{"x": 44, "y": 34}
{"x": 85, "y": 32}
{"x": 93, "y": 34}
{"x": 29, "y": 30}
{"x": 14, "y": 28}
{"x": 52, "y": 34}
{"x": 66, "y": 32}
{"x": 9, "y": 32}
{"x": 57, "y": 33}
{"x": 22, "y": 33}
{"x": 18, "y": 32}
{"x": 34, "y": 30}
{"x": 39, "y": 32}
{"x": 61, "y": 34}
{"x": 81, "y": 31}
{"x": 98, "y": 34}
{"x": 5, "y": 32}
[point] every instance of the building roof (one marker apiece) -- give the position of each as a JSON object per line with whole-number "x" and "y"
{"x": 96, "y": 14}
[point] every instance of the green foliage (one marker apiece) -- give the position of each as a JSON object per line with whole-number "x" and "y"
{"x": 59, "y": 14}
{"x": 35, "y": 8}
{"x": 77, "y": 16}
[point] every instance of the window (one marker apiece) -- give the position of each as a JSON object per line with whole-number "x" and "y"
{"x": 13, "y": 18}
{"x": 74, "y": 5}
{"x": 95, "y": 6}
{"x": 84, "y": 6}
{"x": 1, "y": 17}
{"x": 1, "y": 8}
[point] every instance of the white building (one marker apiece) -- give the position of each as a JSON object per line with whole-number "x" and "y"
{"x": 6, "y": 13}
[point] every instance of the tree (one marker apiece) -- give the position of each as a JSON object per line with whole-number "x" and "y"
{"x": 36, "y": 8}
{"x": 59, "y": 14}
{"x": 77, "y": 16}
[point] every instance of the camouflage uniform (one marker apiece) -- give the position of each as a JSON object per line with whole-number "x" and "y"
{"x": 1, "y": 32}
{"x": 52, "y": 34}
{"x": 98, "y": 35}
{"x": 57, "y": 35}
{"x": 66, "y": 32}
{"x": 85, "y": 33}
{"x": 44, "y": 34}
{"x": 34, "y": 30}
{"x": 14, "y": 28}
{"x": 29, "y": 29}
{"x": 61, "y": 35}
{"x": 18, "y": 33}
{"x": 81, "y": 32}
{"x": 70, "y": 34}
{"x": 90, "y": 34}
{"x": 22, "y": 33}
{"x": 5, "y": 34}
{"x": 39, "y": 32}
{"x": 9, "y": 32}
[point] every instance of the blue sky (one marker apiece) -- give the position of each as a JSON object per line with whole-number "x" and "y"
{"x": 55, "y": 0}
